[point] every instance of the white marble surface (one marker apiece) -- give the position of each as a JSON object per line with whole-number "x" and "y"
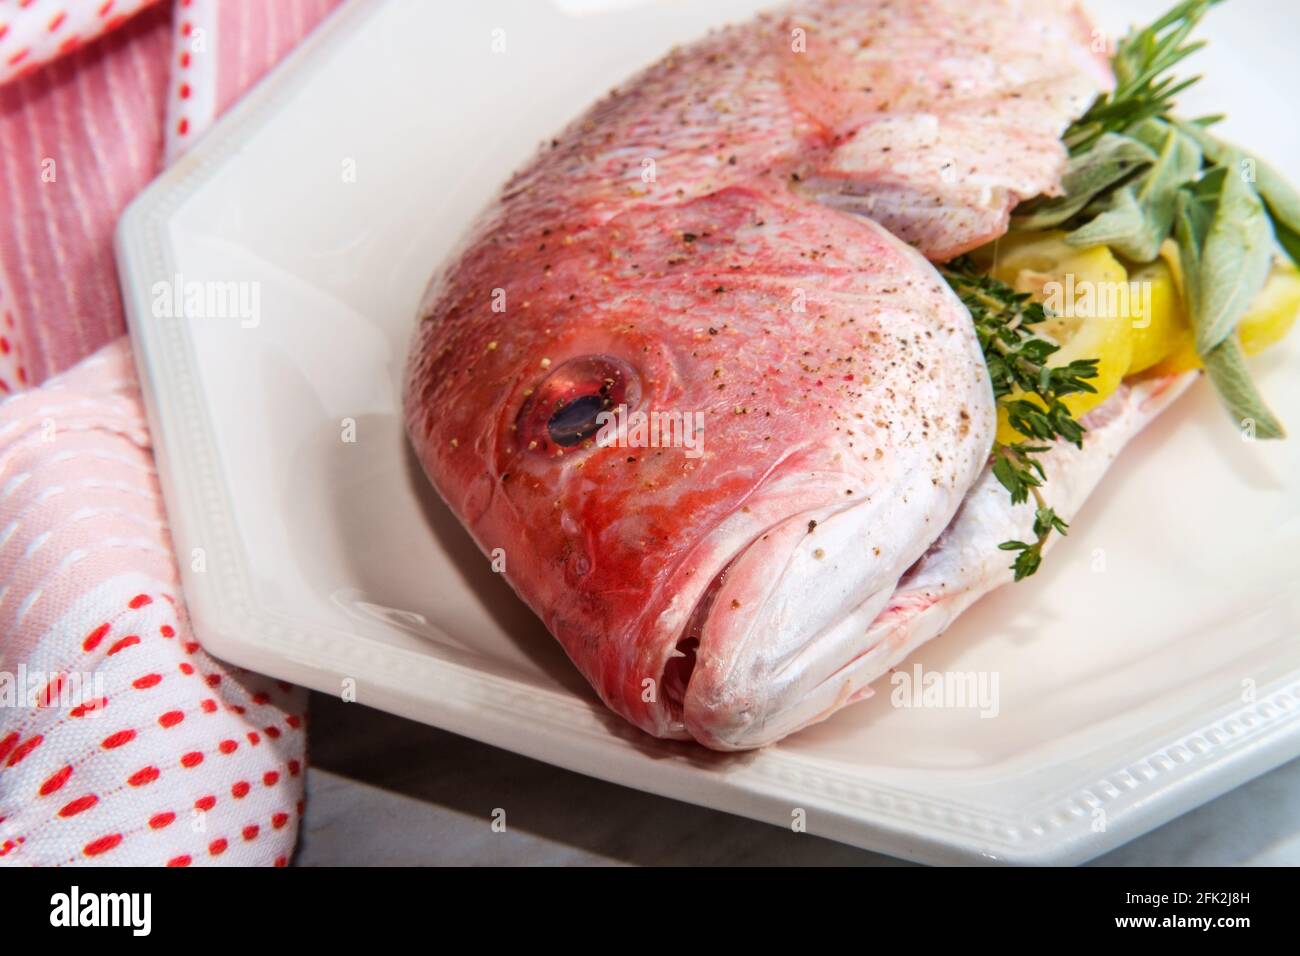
{"x": 387, "y": 791}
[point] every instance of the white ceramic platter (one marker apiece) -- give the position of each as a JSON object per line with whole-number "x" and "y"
{"x": 1153, "y": 664}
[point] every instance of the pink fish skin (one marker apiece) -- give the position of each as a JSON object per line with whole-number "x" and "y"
{"x": 945, "y": 113}
{"x": 933, "y": 117}
{"x": 686, "y": 248}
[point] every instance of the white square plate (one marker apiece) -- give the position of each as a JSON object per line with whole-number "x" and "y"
{"x": 1153, "y": 664}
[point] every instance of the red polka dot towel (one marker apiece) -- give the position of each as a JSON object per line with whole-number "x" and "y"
{"x": 34, "y": 32}
{"x": 121, "y": 740}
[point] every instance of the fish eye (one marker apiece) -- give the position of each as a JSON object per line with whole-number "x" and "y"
{"x": 577, "y": 420}
{"x": 567, "y": 408}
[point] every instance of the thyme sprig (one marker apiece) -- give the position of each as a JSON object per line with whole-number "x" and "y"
{"x": 1028, "y": 389}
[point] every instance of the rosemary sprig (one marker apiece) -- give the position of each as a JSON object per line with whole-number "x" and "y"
{"x": 1029, "y": 389}
{"x": 1142, "y": 87}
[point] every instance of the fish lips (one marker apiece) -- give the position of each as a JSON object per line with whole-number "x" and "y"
{"x": 783, "y": 616}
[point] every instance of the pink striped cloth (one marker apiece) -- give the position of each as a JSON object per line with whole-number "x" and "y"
{"x": 95, "y": 120}
{"x": 121, "y": 741}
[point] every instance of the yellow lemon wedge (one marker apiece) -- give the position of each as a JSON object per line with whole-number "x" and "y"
{"x": 1088, "y": 292}
{"x": 1270, "y": 317}
{"x": 1132, "y": 319}
{"x": 1273, "y": 312}
{"x": 1158, "y": 316}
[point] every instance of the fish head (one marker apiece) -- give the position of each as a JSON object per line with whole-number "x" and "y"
{"x": 706, "y": 463}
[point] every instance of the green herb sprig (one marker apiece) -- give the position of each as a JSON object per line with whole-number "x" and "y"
{"x": 1018, "y": 368}
{"x": 1143, "y": 86}
{"x": 1137, "y": 176}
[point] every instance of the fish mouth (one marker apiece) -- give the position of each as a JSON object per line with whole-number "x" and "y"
{"x": 781, "y": 617}
{"x": 680, "y": 668}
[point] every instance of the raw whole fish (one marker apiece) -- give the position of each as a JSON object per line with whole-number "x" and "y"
{"x": 698, "y": 247}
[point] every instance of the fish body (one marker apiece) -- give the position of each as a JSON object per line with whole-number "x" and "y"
{"x": 713, "y": 252}
{"x": 933, "y": 117}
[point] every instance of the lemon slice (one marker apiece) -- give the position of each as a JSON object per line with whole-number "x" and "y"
{"x": 1270, "y": 317}
{"x": 1130, "y": 321}
{"x": 1159, "y": 318}
{"x": 1088, "y": 292}
{"x": 1273, "y": 312}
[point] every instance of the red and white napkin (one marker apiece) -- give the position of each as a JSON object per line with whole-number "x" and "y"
{"x": 121, "y": 740}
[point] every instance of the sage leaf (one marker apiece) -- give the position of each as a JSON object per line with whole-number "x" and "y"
{"x": 1283, "y": 205}
{"x": 1235, "y": 260}
{"x": 1140, "y": 215}
{"x": 1226, "y": 366}
{"x": 1288, "y": 239}
{"x": 1279, "y": 196}
{"x": 1111, "y": 160}
{"x": 1191, "y": 224}
{"x": 1194, "y": 221}
{"x": 1122, "y": 223}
